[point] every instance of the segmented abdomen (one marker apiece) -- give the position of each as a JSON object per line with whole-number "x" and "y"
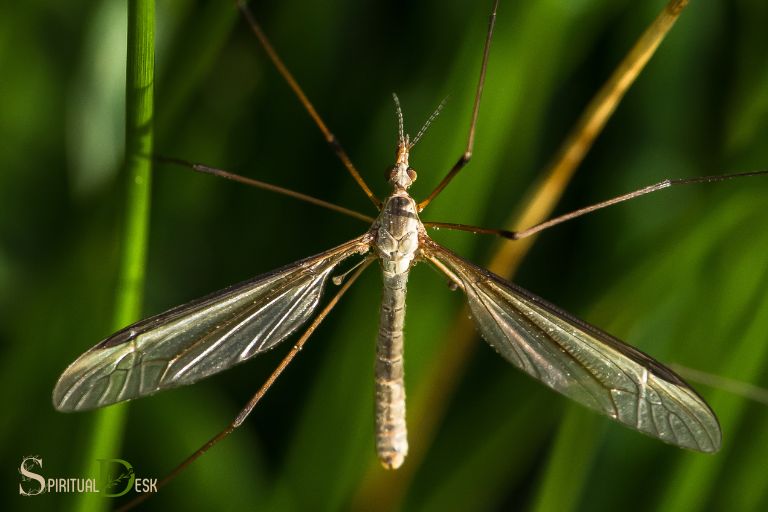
{"x": 391, "y": 431}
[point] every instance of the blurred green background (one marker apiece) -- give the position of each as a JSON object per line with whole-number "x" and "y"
{"x": 681, "y": 274}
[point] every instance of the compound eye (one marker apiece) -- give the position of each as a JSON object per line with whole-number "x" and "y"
{"x": 389, "y": 173}
{"x": 411, "y": 174}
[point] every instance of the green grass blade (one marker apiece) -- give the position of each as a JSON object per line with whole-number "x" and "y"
{"x": 567, "y": 471}
{"x": 677, "y": 274}
{"x": 109, "y": 423}
{"x": 693, "y": 483}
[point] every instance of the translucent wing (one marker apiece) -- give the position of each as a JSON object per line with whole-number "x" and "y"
{"x": 581, "y": 361}
{"x": 198, "y": 339}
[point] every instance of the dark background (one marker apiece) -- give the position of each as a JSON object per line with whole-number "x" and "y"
{"x": 681, "y": 274}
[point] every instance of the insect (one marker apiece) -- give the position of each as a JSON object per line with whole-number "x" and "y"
{"x": 526, "y": 330}
{"x": 196, "y": 340}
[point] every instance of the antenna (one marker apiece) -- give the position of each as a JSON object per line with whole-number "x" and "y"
{"x": 428, "y": 122}
{"x": 400, "y": 124}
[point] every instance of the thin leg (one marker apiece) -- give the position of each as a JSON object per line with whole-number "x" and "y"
{"x": 516, "y": 235}
{"x": 596, "y": 115}
{"x": 259, "y": 394}
{"x": 590, "y": 124}
{"x": 585, "y": 131}
{"x": 467, "y": 155}
{"x": 472, "y": 229}
{"x": 626, "y": 197}
{"x": 330, "y": 138}
{"x": 264, "y": 186}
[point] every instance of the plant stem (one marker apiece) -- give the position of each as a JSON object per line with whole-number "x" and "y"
{"x": 109, "y": 423}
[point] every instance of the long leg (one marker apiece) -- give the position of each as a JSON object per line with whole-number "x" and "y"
{"x": 240, "y": 418}
{"x": 330, "y": 138}
{"x": 626, "y": 197}
{"x": 263, "y": 185}
{"x": 516, "y": 235}
{"x": 466, "y": 156}
{"x": 596, "y": 115}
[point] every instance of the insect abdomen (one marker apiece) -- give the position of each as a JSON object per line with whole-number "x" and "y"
{"x": 391, "y": 431}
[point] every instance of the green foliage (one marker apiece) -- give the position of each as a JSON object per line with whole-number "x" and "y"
{"x": 681, "y": 274}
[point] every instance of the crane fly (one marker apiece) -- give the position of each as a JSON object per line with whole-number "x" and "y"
{"x": 190, "y": 342}
{"x": 204, "y": 337}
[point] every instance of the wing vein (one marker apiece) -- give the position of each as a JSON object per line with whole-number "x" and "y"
{"x": 579, "y": 360}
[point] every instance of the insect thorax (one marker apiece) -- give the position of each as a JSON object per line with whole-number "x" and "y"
{"x": 397, "y": 232}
